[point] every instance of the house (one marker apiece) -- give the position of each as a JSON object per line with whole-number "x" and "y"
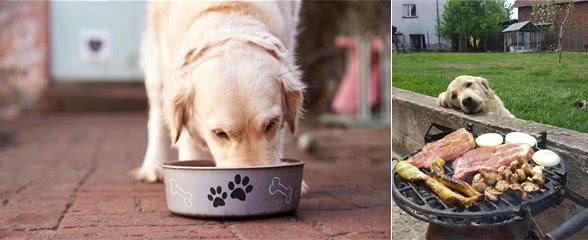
{"x": 575, "y": 37}
{"x": 417, "y": 20}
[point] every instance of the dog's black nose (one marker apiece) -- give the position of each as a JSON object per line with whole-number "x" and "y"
{"x": 469, "y": 102}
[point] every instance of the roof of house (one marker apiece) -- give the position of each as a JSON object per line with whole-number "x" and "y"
{"x": 526, "y": 25}
{"x": 529, "y": 3}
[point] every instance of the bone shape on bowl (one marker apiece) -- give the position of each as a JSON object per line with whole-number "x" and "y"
{"x": 277, "y": 187}
{"x": 176, "y": 190}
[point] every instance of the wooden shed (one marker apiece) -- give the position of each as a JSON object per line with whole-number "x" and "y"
{"x": 522, "y": 37}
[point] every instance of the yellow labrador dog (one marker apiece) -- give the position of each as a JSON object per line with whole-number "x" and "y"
{"x": 221, "y": 77}
{"x": 472, "y": 95}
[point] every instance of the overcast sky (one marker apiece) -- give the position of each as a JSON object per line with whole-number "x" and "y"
{"x": 515, "y": 11}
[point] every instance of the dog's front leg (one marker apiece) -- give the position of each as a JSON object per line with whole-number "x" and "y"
{"x": 157, "y": 140}
{"x": 157, "y": 150}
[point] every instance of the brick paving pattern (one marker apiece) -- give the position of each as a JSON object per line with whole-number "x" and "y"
{"x": 65, "y": 176}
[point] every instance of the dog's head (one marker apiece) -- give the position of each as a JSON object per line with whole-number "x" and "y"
{"x": 234, "y": 97}
{"x": 468, "y": 93}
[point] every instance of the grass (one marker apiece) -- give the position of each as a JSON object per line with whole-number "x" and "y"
{"x": 534, "y": 86}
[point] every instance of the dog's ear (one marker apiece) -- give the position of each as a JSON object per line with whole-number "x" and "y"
{"x": 442, "y": 100}
{"x": 486, "y": 87}
{"x": 293, "y": 98}
{"x": 484, "y": 83}
{"x": 178, "y": 101}
{"x": 292, "y": 86}
{"x": 177, "y": 117}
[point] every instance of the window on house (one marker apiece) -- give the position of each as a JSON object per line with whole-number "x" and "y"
{"x": 409, "y": 10}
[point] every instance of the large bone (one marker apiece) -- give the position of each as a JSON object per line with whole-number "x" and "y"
{"x": 277, "y": 187}
{"x": 176, "y": 190}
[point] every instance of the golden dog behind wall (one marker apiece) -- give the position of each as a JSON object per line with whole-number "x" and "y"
{"x": 472, "y": 95}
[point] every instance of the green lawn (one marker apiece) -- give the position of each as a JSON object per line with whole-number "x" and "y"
{"x": 533, "y": 86}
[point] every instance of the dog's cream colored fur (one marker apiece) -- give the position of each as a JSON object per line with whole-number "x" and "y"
{"x": 476, "y": 88}
{"x": 221, "y": 77}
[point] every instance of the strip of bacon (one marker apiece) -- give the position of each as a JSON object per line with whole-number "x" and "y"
{"x": 490, "y": 158}
{"x": 448, "y": 148}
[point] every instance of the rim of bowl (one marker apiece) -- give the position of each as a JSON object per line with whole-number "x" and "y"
{"x": 198, "y": 165}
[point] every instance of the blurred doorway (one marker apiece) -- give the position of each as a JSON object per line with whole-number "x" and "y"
{"x": 417, "y": 41}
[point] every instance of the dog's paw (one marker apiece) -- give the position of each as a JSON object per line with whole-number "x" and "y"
{"x": 304, "y": 188}
{"x": 148, "y": 174}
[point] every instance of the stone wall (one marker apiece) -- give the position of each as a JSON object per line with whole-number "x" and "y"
{"x": 412, "y": 114}
{"x": 24, "y": 55}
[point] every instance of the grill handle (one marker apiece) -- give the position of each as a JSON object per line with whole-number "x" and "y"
{"x": 570, "y": 227}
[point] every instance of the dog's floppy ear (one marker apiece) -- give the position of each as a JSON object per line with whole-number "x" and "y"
{"x": 177, "y": 100}
{"x": 293, "y": 98}
{"x": 292, "y": 86}
{"x": 487, "y": 90}
{"x": 484, "y": 83}
{"x": 442, "y": 100}
{"x": 178, "y": 108}
{"x": 178, "y": 111}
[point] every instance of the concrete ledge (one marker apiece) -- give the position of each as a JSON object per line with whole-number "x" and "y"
{"x": 412, "y": 114}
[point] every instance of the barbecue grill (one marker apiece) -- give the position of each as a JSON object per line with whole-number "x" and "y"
{"x": 419, "y": 201}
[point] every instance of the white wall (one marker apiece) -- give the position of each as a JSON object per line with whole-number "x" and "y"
{"x": 425, "y": 23}
{"x": 120, "y": 21}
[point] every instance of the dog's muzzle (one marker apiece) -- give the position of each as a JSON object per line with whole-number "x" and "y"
{"x": 470, "y": 105}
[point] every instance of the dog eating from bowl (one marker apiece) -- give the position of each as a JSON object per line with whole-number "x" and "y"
{"x": 221, "y": 80}
{"x": 472, "y": 95}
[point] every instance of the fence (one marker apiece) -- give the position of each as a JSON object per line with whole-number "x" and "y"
{"x": 426, "y": 40}
{"x": 575, "y": 39}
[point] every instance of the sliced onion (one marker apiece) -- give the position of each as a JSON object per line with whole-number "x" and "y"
{"x": 489, "y": 140}
{"x": 520, "y": 137}
{"x": 546, "y": 158}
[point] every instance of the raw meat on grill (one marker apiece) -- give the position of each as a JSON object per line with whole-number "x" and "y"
{"x": 448, "y": 148}
{"x": 490, "y": 158}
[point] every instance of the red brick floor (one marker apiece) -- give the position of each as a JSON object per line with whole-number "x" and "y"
{"x": 64, "y": 176}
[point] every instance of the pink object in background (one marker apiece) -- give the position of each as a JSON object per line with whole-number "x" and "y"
{"x": 347, "y": 98}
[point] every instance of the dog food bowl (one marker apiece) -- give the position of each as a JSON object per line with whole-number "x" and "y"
{"x": 198, "y": 188}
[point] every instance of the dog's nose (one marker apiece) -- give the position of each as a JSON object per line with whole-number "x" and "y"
{"x": 469, "y": 102}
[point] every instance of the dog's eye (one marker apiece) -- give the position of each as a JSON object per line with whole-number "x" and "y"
{"x": 271, "y": 125}
{"x": 453, "y": 96}
{"x": 469, "y": 84}
{"x": 221, "y": 135}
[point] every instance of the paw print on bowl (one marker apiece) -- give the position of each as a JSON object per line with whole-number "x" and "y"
{"x": 240, "y": 187}
{"x": 217, "y": 196}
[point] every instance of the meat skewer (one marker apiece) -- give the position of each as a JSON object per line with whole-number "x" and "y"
{"x": 454, "y": 184}
{"x": 413, "y": 174}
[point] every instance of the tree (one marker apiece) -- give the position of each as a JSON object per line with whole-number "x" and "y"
{"x": 471, "y": 20}
{"x": 569, "y": 9}
{"x": 548, "y": 12}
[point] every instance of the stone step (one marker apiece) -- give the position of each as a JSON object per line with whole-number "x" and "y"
{"x": 96, "y": 96}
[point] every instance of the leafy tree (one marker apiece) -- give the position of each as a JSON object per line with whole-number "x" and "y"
{"x": 549, "y": 12}
{"x": 472, "y": 20}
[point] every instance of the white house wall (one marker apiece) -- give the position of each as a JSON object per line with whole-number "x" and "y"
{"x": 425, "y": 23}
